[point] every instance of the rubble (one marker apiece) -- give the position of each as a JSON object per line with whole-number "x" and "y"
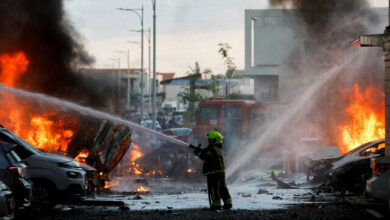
{"x": 281, "y": 184}
{"x": 262, "y": 191}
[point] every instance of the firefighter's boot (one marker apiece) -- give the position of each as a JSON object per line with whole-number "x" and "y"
{"x": 227, "y": 204}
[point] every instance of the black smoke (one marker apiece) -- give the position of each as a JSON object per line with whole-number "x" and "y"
{"x": 330, "y": 26}
{"x": 41, "y": 30}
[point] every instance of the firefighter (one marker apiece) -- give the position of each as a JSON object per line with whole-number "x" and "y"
{"x": 214, "y": 170}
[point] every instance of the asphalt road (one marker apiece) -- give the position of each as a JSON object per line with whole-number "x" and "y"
{"x": 337, "y": 210}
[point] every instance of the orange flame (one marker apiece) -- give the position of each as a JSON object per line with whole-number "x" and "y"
{"x": 12, "y": 67}
{"x": 141, "y": 189}
{"x": 190, "y": 170}
{"x": 82, "y": 156}
{"x": 44, "y": 129}
{"x": 367, "y": 113}
{"x": 135, "y": 153}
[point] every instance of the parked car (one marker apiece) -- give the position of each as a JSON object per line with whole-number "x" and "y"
{"x": 92, "y": 178}
{"x": 183, "y": 134}
{"x": 7, "y": 202}
{"x": 149, "y": 123}
{"x": 54, "y": 177}
{"x": 378, "y": 186}
{"x": 13, "y": 172}
{"x": 178, "y": 112}
{"x": 319, "y": 170}
{"x": 176, "y": 121}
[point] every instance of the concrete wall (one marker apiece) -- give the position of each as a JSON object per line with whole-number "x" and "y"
{"x": 270, "y": 35}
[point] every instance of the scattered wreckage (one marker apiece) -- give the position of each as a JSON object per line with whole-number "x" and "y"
{"x": 346, "y": 173}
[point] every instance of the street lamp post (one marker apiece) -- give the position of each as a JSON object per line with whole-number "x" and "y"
{"x": 149, "y": 78}
{"x": 128, "y": 100}
{"x": 111, "y": 66}
{"x": 149, "y": 82}
{"x": 141, "y": 17}
{"x": 119, "y": 74}
{"x": 154, "y": 65}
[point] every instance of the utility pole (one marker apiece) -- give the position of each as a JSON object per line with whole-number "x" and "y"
{"x": 119, "y": 78}
{"x": 149, "y": 81}
{"x": 118, "y": 73}
{"x": 127, "y": 52}
{"x": 141, "y": 17}
{"x": 149, "y": 72}
{"x": 154, "y": 66}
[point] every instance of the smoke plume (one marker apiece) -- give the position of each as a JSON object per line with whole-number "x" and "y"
{"x": 41, "y": 30}
{"x": 314, "y": 76}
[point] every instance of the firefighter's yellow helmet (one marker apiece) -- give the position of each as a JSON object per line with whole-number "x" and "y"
{"x": 215, "y": 135}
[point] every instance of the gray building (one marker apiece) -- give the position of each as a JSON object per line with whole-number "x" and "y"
{"x": 270, "y": 35}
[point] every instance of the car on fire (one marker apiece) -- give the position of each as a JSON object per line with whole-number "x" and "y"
{"x": 7, "y": 202}
{"x": 320, "y": 170}
{"x": 54, "y": 177}
{"x": 13, "y": 172}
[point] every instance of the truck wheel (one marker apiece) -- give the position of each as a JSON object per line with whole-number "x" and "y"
{"x": 43, "y": 196}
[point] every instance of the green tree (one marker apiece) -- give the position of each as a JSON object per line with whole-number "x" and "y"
{"x": 190, "y": 94}
{"x": 224, "y": 49}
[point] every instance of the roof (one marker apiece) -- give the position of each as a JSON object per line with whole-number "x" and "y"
{"x": 166, "y": 76}
{"x": 223, "y": 101}
{"x": 185, "y": 81}
{"x": 133, "y": 71}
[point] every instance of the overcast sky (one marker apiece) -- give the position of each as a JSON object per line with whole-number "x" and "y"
{"x": 187, "y": 30}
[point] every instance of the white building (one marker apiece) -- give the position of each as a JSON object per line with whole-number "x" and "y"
{"x": 172, "y": 87}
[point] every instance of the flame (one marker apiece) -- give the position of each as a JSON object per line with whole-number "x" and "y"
{"x": 135, "y": 153}
{"x": 45, "y": 129}
{"x": 82, "y": 156}
{"x": 367, "y": 113}
{"x": 12, "y": 67}
{"x": 141, "y": 189}
{"x": 134, "y": 168}
{"x": 190, "y": 170}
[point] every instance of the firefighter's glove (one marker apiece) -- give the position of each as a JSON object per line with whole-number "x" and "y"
{"x": 192, "y": 146}
{"x": 197, "y": 150}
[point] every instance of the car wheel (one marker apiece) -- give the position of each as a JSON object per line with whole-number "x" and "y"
{"x": 43, "y": 197}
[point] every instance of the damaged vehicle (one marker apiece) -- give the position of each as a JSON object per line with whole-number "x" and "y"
{"x": 349, "y": 172}
{"x": 320, "y": 170}
{"x": 378, "y": 186}
{"x": 13, "y": 172}
{"x": 7, "y": 202}
{"x": 54, "y": 177}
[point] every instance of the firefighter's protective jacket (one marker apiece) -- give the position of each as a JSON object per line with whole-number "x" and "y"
{"x": 213, "y": 160}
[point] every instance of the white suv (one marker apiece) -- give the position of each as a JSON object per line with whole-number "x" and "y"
{"x": 54, "y": 177}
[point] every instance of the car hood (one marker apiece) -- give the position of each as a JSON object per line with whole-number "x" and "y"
{"x": 54, "y": 158}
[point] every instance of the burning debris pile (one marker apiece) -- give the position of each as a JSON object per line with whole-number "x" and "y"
{"x": 166, "y": 160}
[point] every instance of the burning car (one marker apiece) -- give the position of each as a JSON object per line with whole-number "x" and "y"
{"x": 320, "y": 170}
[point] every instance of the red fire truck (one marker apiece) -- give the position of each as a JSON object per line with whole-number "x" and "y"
{"x": 233, "y": 118}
